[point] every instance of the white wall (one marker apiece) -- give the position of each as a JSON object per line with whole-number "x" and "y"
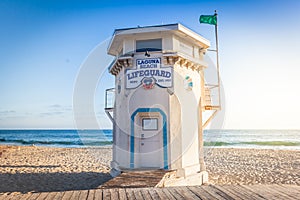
{"x": 189, "y": 100}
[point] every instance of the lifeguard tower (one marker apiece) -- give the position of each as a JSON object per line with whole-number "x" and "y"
{"x": 158, "y": 101}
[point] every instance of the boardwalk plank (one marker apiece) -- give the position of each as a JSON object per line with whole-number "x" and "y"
{"x": 91, "y": 194}
{"x": 58, "y": 196}
{"x": 263, "y": 193}
{"x": 191, "y": 192}
{"x": 216, "y": 193}
{"x": 43, "y": 196}
{"x": 286, "y": 193}
{"x": 122, "y": 194}
{"x": 19, "y": 196}
{"x": 129, "y": 193}
{"x": 159, "y": 192}
{"x": 229, "y": 191}
{"x": 246, "y": 194}
{"x": 200, "y": 192}
{"x": 297, "y": 187}
{"x": 114, "y": 193}
{"x": 272, "y": 192}
{"x": 67, "y": 195}
{"x": 137, "y": 193}
{"x": 25, "y": 196}
{"x": 98, "y": 195}
{"x": 106, "y": 194}
{"x": 75, "y": 195}
{"x": 145, "y": 193}
{"x": 175, "y": 193}
{"x": 83, "y": 194}
{"x": 266, "y": 190}
{"x": 295, "y": 190}
{"x": 9, "y": 196}
{"x": 50, "y": 195}
{"x": 33, "y": 196}
{"x": 186, "y": 193}
{"x": 239, "y": 192}
{"x": 154, "y": 194}
{"x": 168, "y": 193}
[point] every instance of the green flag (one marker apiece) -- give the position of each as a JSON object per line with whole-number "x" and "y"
{"x": 208, "y": 19}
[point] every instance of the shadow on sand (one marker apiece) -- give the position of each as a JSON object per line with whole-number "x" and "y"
{"x": 51, "y": 182}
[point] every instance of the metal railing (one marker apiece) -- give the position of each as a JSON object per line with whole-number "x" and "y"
{"x": 211, "y": 97}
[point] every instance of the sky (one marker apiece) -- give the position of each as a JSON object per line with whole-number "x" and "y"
{"x": 45, "y": 46}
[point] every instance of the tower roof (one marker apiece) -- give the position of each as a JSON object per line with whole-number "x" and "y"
{"x": 177, "y": 29}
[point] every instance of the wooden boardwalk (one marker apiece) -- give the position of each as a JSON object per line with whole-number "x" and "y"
{"x": 191, "y": 192}
{"x": 135, "y": 179}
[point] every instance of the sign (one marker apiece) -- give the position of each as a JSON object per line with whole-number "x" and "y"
{"x": 148, "y": 73}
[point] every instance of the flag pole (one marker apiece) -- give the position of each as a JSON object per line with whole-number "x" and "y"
{"x": 218, "y": 63}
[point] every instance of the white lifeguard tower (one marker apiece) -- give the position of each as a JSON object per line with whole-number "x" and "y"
{"x": 159, "y": 96}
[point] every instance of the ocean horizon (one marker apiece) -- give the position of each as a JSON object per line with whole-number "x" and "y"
{"x": 72, "y": 138}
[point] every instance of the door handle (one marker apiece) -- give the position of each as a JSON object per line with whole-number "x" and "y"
{"x": 142, "y": 144}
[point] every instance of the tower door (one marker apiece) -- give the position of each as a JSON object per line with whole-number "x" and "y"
{"x": 150, "y": 141}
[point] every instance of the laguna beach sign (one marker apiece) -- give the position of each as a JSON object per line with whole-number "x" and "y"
{"x": 148, "y": 73}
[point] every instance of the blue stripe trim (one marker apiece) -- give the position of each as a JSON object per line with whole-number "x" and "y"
{"x": 132, "y": 143}
{"x": 165, "y": 134}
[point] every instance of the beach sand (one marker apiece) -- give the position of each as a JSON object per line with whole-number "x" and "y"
{"x": 253, "y": 166}
{"x": 42, "y": 169}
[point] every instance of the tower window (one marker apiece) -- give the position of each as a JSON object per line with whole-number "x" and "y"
{"x": 149, "y": 45}
{"x": 150, "y": 124}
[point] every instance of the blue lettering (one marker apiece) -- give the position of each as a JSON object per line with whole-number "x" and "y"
{"x": 152, "y": 72}
{"x": 128, "y": 77}
{"x": 147, "y": 72}
{"x": 157, "y": 73}
{"x": 141, "y": 73}
{"x": 168, "y": 75}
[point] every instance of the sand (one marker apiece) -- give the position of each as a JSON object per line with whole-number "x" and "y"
{"x": 253, "y": 166}
{"x": 42, "y": 169}
{"x": 38, "y": 169}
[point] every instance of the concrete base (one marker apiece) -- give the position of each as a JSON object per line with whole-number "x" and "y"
{"x": 171, "y": 180}
{"x": 188, "y": 170}
{"x": 115, "y": 170}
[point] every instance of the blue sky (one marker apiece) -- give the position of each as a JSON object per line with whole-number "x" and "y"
{"x": 44, "y": 44}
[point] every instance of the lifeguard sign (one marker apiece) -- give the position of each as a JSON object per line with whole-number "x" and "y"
{"x": 149, "y": 72}
{"x": 159, "y": 100}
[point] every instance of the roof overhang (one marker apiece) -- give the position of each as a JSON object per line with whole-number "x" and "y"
{"x": 177, "y": 29}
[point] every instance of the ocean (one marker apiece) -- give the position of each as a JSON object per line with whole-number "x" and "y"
{"x": 261, "y": 139}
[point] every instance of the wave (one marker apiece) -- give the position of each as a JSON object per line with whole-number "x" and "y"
{"x": 217, "y": 144}
{"x": 274, "y": 143}
{"x": 55, "y": 143}
{"x": 109, "y": 142}
{"x": 256, "y": 143}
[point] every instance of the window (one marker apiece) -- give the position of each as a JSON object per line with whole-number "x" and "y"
{"x": 150, "y": 124}
{"x": 148, "y": 45}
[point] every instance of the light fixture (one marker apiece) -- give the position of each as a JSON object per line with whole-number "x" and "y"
{"x": 147, "y": 54}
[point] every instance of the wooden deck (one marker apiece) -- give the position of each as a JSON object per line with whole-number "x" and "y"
{"x": 191, "y": 192}
{"x": 135, "y": 179}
